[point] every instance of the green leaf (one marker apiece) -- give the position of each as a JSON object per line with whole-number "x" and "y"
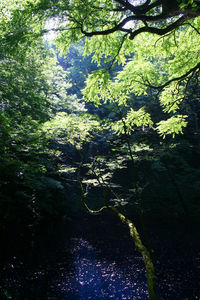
{"x": 172, "y": 126}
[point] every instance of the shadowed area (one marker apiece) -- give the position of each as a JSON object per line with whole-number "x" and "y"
{"x": 100, "y": 262}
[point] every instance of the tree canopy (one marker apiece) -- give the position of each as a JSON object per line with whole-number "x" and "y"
{"x": 156, "y": 41}
{"x": 147, "y": 54}
{"x": 129, "y": 17}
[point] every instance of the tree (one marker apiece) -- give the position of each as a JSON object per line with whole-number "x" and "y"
{"x": 150, "y": 16}
{"x": 130, "y": 17}
{"x": 161, "y": 36}
{"x": 28, "y": 95}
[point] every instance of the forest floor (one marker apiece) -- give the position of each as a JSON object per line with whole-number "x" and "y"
{"x": 93, "y": 257}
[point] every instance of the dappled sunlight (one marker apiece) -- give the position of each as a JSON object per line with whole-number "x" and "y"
{"x": 99, "y": 278}
{"x": 94, "y": 276}
{"x": 89, "y": 267}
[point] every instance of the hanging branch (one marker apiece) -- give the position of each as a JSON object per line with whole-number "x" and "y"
{"x": 84, "y": 195}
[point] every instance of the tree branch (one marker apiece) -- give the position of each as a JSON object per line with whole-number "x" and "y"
{"x": 118, "y": 51}
{"x": 84, "y": 195}
{"x": 140, "y": 9}
{"x": 176, "y": 78}
{"x": 193, "y": 27}
{"x": 117, "y": 27}
{"x": 113, "y": 9}
{"x": 158, "y": 31}
{"x": 120, "y": 26}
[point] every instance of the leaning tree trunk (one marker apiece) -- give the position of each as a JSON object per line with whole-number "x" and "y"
{"x": 150, "y": 272}
{"x": 146, "y": 255}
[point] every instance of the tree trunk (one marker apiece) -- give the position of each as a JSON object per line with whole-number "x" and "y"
{"x": 150, "y": 272}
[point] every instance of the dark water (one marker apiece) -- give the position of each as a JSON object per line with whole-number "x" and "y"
{"x": 93, "y": 257}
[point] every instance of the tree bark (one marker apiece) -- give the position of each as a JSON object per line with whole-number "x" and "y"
{"x": 150, "y": 272}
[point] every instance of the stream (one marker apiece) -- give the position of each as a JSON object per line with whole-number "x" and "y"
{"x": 93, "y": 257}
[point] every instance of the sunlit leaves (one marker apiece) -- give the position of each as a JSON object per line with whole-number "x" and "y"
{"x": 96, "y": 89}
{"x": 185, "y": 3}
{"x": 58, "y": 95}
{"x": 71, "y": 128}
{"x": 19, "y": 28}
{"x": 66, "y": 37}
{"x": 155, "y": 61}
{"x": 173, "y": 125}
{"x": 171, "y": 97}
{"x": 108, "y": 46}
{"x": 101, "y": 170}
{"x": 119, "y": 202}
{"x": 25, "y": 91}
{"x": 66, "y": 169}
{"x": 139, "y": 118}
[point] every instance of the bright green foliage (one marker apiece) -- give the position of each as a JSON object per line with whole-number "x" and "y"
{"x": 184, "y": 4}
{"x": 138, "y": 118}
{"x": 106, "y": 46}
{"x": 71, "y": 128}
{"x": 173, "y": 125}
{"x": 59, "y": 95}
{"x": 26, "y": 102}
{"x": 18, "y": 30}
{"x": 156, "y": 71}
{"x": 171, "y": 97}
{"x": 96, "y": 89}
{"x": 159, "y": 67}
{"x": 157, "y": 63}
{"x": 78, "y": 67}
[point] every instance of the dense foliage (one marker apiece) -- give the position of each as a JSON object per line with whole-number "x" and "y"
{"x": 29, "y": 94}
